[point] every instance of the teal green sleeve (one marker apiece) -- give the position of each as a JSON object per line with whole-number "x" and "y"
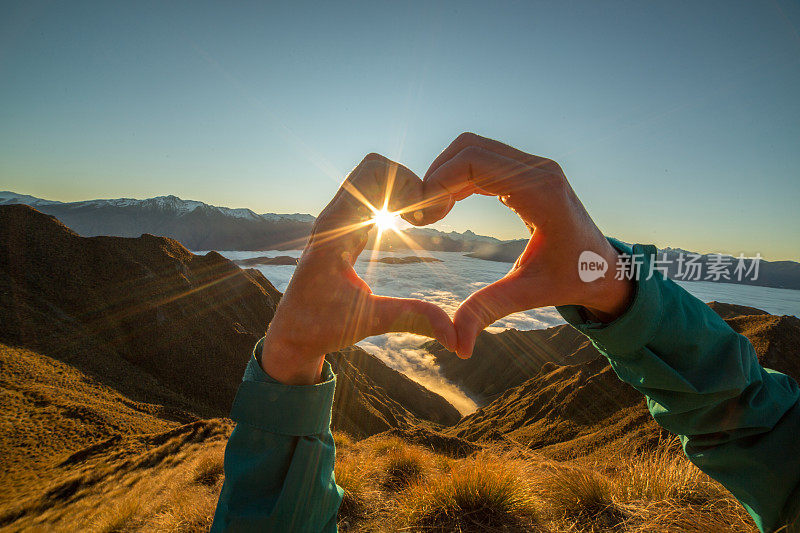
{"x": 279, "y": 459}
{"x": 738, "y": 422}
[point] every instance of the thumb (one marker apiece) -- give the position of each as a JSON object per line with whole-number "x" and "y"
{"x": 412, "y": 316}
{"x": 483, "y": 308}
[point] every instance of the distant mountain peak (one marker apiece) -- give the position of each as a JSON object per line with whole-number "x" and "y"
{"x": 10, "y": 197}
{"x": 168, "y": 202}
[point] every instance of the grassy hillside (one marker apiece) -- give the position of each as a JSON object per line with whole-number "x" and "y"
{"x": 170, "y": 481}
{"x": 118, "y": 357}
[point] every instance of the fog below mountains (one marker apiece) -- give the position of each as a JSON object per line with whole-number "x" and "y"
{"x": 448, "y": 283}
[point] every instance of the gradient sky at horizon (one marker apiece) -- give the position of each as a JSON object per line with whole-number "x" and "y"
{"x": 677, "y": 123}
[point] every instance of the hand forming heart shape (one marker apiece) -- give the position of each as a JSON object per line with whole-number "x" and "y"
{"x": 327, "y": 306}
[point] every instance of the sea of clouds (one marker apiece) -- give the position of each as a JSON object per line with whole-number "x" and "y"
{"x": 448, "y": 283}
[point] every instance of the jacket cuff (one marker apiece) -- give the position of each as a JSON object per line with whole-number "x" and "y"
{"x": 634, "y": 328}
{"x": 293, "y": 410}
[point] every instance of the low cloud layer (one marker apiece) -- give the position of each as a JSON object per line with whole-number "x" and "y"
{"x": 401, "y": 352}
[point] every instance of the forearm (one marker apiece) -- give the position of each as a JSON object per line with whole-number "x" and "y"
{"x": 702, "y": 380}
{"x": 279, "y": 459}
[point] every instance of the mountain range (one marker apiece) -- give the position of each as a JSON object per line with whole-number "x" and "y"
{"x": 200, "y": 226}
{"x": 120, "y": 358}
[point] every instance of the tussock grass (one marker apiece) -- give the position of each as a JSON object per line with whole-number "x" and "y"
{"x": 392, "y": 485}
{"x": 209, "y": 468}
{"x": 477, "y": 494}
{"x": 342, "y": 440}
{"x": 187, "y": 510}
{"x": 582, "y": 496}
{"x": 405, "y": 466}
{"x": 120, "y": 516}
{"x": 387, "y": 445}
{"x": 355, "y": 479}
{"x": 666, "y": 475}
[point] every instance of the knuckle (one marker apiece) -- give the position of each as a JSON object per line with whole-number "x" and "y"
{"x": 552, "y": 166}
{"x": 471, "y": 151}
{"x": 372, "y": 156}
{"x": 549, "y": 173}
{"x": 467, "y": 138}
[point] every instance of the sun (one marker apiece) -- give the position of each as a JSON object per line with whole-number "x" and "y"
{"x": 385, "y": 220}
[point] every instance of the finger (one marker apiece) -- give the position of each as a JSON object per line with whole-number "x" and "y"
{"x": 403, "y": 194}
{"x": 483, "y": 308}
{"x": 412, "y": 316}
{"x": 467, "y": 139}
{"x": 436, "y": 193}
{"x": 535, "y": 194}
{"x": 340, "y": 237}
{"x": 380, "y": 183}
{"x": 376, "y": 183}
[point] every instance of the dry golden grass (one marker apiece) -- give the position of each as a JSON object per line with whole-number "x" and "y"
{"x": 209, "y": 467}
{"x": 475, "y": 495}
{"x": 187, "y": 510}
{"x": 342, "y": 440}
{"x": 119, "y": 516}
{"x": 656, "y": 491}
{"x": 666, "y": 475}
{"x": 581, "y": 496}
{"x": 178, "y": 499}
{"x": 391, "y": 485}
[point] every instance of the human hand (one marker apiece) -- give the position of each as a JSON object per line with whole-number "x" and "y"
{"x": 327, "y": 306}
{"x": 546, "y": 273}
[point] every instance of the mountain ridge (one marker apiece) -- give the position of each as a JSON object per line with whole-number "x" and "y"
{"x": 118, "y": 308}
{"x": 120, "y": 357}
{"x": 564, "y": 399}
{"x": 201, "y": 226}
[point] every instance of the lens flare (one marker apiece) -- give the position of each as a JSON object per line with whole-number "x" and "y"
{"x": 385, "y": 220}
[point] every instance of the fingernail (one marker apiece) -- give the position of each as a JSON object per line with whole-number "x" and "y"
{"x": 463, "y": 353}
{"x": 467, "y": 350}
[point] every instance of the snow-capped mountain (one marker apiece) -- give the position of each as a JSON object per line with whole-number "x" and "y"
{"x": 169, "y": 203}
{"x": 8, "y": 197}
{"x": 468, "y": 235}
{"x": 201, "y": 226}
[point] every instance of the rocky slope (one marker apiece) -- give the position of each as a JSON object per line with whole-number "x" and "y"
{"x": 504, "y": 360}
{"x": 131, "y": 312}
{"x": 148, "y": 317}
{"x": 107, "y": 342}
{"x": 371, "y": 397}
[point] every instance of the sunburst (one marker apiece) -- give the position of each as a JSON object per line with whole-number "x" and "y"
{"x": 385, "y": 220}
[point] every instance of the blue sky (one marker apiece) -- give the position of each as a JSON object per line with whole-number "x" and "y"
{"x": 677, "y": 123}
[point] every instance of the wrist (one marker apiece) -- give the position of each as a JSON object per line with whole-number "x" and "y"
{"x": 289, "y": 361}
{"x": 612, "y": 300}
{"x": 609, "y": 297}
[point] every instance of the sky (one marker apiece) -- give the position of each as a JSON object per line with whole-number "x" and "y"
{"x": 677, "y": 123}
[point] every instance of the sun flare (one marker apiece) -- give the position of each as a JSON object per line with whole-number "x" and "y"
{"x": 385, "y": 220}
